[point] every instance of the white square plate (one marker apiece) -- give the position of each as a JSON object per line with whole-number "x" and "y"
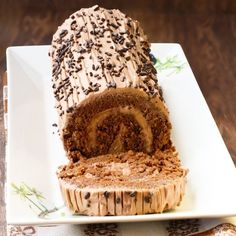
{"x": 34, "y": 152}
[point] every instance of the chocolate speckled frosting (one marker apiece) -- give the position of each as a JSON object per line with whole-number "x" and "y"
{"x": 95, "y": 49}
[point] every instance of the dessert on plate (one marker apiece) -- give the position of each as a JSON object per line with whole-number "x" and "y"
{"x": 123, "y": 184}
{"x": 112, "y": 118}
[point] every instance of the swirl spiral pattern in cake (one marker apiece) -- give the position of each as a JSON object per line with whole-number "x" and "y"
{"x": 107, "y": 95}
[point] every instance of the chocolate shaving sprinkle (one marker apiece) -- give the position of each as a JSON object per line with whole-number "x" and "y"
{"x": 73, "y": 25}
{"x": 89, "y": 43}
{"x": 129, "y": 23}
{"x": 69, "y": 110}
{"x": 114, "y": 26}
{"x": 147, "y": 199}
{"x": 111, "y": 84}
{"x": 106, "y": 194}
{"x": 133, "y": 194}
{"x": 96, "y": 8}
{"x": 118, "y": 200}
{"x": 87, "y": 195}
{"x": 63, "y": 33}
{"x": 109, "y": 66}
{"x": 108, "y": 54}
{"x": 81, "y": 50}
{"x": 63, "y": 50}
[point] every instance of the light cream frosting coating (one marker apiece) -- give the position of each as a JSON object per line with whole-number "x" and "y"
{"x": 97, "y": 49}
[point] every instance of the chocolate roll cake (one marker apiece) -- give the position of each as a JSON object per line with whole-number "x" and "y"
{"x": 105, "y": 86}
{"x": 123, "y": 184}
{"x": 109, "y": 103}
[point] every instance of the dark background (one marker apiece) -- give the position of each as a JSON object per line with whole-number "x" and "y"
{"x": 205, "y": 29}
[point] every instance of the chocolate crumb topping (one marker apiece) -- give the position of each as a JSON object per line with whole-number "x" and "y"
{"x": 160, "y": 167}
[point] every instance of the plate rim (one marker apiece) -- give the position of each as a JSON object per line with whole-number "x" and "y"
{"x": 106, "y": 219}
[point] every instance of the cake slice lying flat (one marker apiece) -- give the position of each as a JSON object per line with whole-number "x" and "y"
{"x": 123, "y": 184}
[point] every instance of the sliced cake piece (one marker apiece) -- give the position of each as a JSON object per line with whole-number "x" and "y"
{"x": 124, "y": 184}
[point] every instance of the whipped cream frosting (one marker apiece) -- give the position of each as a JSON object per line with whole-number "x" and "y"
{"x": 97, "y": 49}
